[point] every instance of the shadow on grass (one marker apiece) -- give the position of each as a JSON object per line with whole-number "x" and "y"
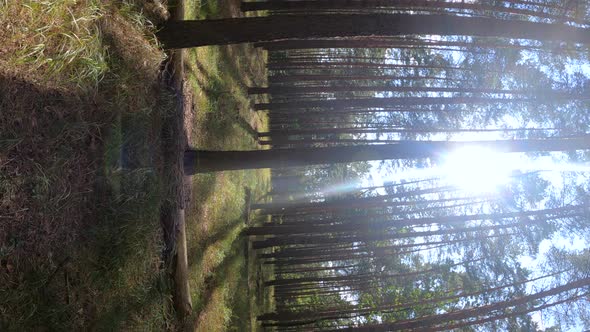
{"x": 135, "y": 300}
{"x": 245, "y": 125}
{"x": 131, "y": 280}
{"x": 79, "y": 196}
{"x": 197, "y": 250}
{"x": 223, "y": 119}
{"x": 124, "y": 248}
{"x": 48, "y": 144}
{"x": 220, "y": 274}
{"x": 230, "y": 57}
{"x": 205, "y": 189}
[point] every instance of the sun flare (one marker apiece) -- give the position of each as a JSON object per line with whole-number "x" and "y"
{"x": 477, "y": 170}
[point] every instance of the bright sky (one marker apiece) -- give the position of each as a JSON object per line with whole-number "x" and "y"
{"x": 482, "y": 171}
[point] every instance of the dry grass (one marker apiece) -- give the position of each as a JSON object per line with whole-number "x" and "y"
{"x": 61, "y": 43}
{"x": 81, "y": 107}
{"x": 53, "y": 42}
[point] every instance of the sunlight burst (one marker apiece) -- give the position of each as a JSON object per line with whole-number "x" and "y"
{"x": 477, "y": 170}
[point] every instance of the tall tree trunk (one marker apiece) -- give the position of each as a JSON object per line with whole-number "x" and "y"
{"x": 318, "y": 77}
{"x": 290, "y": 90}
{"x": 392, "y": 306}
{"x": 201, "y": 161}
{"x": 283, "y": 135}
{"x": 338, "y": 238}
{"x": 183, "y": 34}
{"x": 459, "y": 326}
{"x": 272, "y": 207}
{"x": 368, "y": 42}
{"x": 314, "y": 5}
{"x": 343, "y": 104}
{"x": 290, "y": 64}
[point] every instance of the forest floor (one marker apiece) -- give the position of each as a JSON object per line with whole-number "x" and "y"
{"x": 220, "y": 261}
{"x": 87, "y": 142}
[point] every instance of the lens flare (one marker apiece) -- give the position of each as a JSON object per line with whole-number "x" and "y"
{"x": 478, "y": 170}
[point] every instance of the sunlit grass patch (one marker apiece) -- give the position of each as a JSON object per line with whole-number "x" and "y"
{"x": 218, "y": 312}
{"x": 201, "y": 9}
{"x": 214, "y": 227}
{"x": 60, "y": 43}
{"x": 204, "y": 265}
{"x": 54, "y": 40}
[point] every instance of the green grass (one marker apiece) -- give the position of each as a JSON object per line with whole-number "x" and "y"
{"x": 60, "y": 40}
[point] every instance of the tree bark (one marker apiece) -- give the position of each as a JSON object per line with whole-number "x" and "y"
{"x": 283, "y": 135}
{"x": 314, "y": 5}
{"x": 317, "y": 77}
{"x": 343, "y": 104}
{"x": 290, "y": 64}
{"x": 201, "y": 161}
{"x": 292, "y": 90}
{"x": 184, "y": 34}
{"x": 383, "y": 43}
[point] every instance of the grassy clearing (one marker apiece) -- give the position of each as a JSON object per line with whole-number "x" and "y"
{"x": 81, "y": 172}
{"x": 219, "y": 259}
